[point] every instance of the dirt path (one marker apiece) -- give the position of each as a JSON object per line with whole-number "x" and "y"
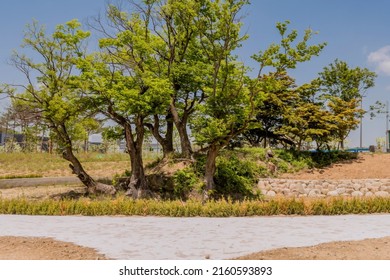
{"x": 367, "y": 166}
{"x": 32, "y": 248}
{"x": 368, "y": 249}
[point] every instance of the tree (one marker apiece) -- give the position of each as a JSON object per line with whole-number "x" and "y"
{"x": 178, "y": 27}
{"x": 281, "y": 94}
{"x": 308, "y": 119}
{"x": 344, "y": 88}
{"x": 228, "y": 107}
{"x": 182, "y": 26}
{"x": 50, "y": 89}
{"x": 280, "y": 97}
{"x": 125, "y": 82}
{"x": 29, "y": 121}
{"x": 346, "y": 116}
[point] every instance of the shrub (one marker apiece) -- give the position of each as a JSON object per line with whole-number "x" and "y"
{"x": 253, "y": 153}
{"x": 322, "y": 159}
{"x": 235, "y": 177}
{"x": 184, "y": 181}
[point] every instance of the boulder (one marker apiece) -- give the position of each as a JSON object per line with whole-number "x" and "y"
{"x": 357, "y": 194}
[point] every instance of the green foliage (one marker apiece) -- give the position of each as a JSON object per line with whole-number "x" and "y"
{"x": 343, "y": 88}
{"x": 277, "y": 114}
{"x": 185, "y": 181}
{"x": 322, "y": 159}
{"x": 254, "y": 153}
{"x": 298, "y": 160}
{"x": 339, "y": 79}
{"x": 235, "y": 178}
{"x": 285, "y": 55}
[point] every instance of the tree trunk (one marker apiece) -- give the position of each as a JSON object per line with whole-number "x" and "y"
{"x": 167, "y": 141}
{"x": 137, "y": 187}
{"x": 342, "y": 144}
{"x": 169, "y": 135}
{"x": 210, "y": 171}
{"x": 181, "y": 126}
{"x": 88, "y": 181}
{"x": 185, "y": 143}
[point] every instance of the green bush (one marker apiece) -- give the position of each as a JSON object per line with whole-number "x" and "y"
{"x": 282, "y": 166}
{"x": 235, "y": 178}
{"x": 254, "y": 153}
{"x": 185, "y": 181}
{"x": 322, "y": 159}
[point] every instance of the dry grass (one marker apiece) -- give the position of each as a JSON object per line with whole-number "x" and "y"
{"x": 27, "y": 165}
{"x": 40, "y": 192}
{"x": 221, "y": 208}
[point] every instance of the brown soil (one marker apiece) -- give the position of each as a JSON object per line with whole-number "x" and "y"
{"x": 368, "y": 249}
{"x": 41, "y": 192}
{"x": 367, "y": 166}
{"x": 33, "y": 248}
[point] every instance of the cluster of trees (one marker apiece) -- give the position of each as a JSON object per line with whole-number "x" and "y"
{"x": 171, "y": 66}
{"x": 18, "y": 118}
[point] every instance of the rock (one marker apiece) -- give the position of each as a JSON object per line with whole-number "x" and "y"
{"x": 325, "y": 191}
{"x": 382, "y": 194}
{"x": 277, "y": 190}
{"x": 298, "y": 188}
{"x": 349, "y": 190}
{"x": 264, "y": 191}
{"x": 311, "y": 185}
{"x": 357, "y": 194}
{"x": 272, "y": 168}
{"x": 271, "y": 193}
{"x": 325, "y": 184}
{"x": 341, "y": 190}
{"x": 318, "y": 188}
{"x": 261, "y": 184}
{"x": 356, "y": 186}
{"x": 375, "y": 184}
{"x": 369, "y": 194}
{"x": 314, "y": 193}
{"x": 333, "y": 193}
{"x": 286, "y": 191}
{"x": 364, "y": 190}
{"x": 373, "y": 189}
{"x": 342, "y": 186}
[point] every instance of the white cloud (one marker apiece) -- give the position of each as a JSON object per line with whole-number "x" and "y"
{"x": 381, "y": 59}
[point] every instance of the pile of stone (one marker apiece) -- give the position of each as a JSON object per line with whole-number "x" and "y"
{"x": 325, "y": 188}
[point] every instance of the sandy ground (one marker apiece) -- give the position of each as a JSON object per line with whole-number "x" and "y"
{"x": 32, "y": 248}
{"x": 368, "y": 249}
{"x": 367, "y": 166}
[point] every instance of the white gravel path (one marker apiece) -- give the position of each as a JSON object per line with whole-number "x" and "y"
{"x": 194, "y": 238}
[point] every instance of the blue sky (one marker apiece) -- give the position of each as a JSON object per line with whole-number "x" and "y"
{"x": 356, "y": 31}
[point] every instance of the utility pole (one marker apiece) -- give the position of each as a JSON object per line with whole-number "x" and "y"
{"x": 361, "y": 124}
{"x": 387, "y": 126}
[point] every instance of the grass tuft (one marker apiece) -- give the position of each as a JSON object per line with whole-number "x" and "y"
{"x": 191, "y": 208}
